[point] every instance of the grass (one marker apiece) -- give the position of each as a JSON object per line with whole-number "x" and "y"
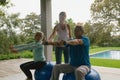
{"x": 101, "y": 62}
{"x": 98, "y": 49}
{"x": 25, "y": 54}
{"x": 105, "y": 62}
{"x": 94, "y": 61}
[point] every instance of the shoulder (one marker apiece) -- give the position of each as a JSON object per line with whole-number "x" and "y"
{"x": 68, "y": 26}
{"x": 85, "y": 40}
{"x": 85, "y": 37}
{"x": 40, "y": 45}
{"x": 56, "y": 26}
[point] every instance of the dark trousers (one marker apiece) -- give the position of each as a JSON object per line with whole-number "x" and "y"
{"x": 58, "y": 54}
{"x": 25, "y": 67}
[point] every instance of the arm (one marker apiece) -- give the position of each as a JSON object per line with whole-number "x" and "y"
{"x": 19, "y": 48}
{"x": 70, "y": 42}
{"x": 75, "y": 42}
{"x": 56, "y": 43}
{"x": 69, "y": 31}
{"x": 53, "y": 33}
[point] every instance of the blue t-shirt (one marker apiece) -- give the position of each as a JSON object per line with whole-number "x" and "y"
{"x": 79, "y": 54}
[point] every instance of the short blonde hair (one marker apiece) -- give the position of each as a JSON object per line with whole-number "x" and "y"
{"x": 41, "y": 34}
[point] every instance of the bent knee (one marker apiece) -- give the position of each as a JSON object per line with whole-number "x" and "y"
{"x": 83, "y": 70}
{"x": 22, "y": 66}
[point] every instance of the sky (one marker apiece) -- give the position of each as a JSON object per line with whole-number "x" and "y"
{"x": 78, "y": 10}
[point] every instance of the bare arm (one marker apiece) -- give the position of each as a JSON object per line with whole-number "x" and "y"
{"x": 53, "y": 33}
{"x": 74, "y": 42}
{"x": 55, "y": 43}
{"x": 71, "y": 42}
{"x": 69, "y": 31}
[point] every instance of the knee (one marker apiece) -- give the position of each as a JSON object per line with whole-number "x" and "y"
{"x": 82, "y": 70}
{"x": 44, "y": 73}
{"x": 56, "y": 68}
{"x": 92, "y": 75}
{"x": 79, "y": 72}
{"x": 22, "y": 66}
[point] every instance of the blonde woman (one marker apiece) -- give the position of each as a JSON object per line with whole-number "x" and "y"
{"x": 63, "y": 33}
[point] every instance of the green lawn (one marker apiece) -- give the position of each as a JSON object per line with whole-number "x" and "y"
{"x": 102, "y": 62}
{"x": 105, "y": 62}
{"x": 99, "y": 49}
{"x": 94, "y": 61}
{"x": 25, "y": 54}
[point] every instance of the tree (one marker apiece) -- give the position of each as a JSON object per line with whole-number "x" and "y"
{"x": 99, "y": 33}
{"x": 4, "y": 4}
{"x": 107, "y": 11}
{"x": 30, "y": 24}
{"x": 72, "y": 25}
{"x": 8, "y": 35}
{"x": 3, "y": 42}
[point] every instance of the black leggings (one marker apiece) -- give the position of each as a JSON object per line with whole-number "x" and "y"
{"x": 25, "y": 67}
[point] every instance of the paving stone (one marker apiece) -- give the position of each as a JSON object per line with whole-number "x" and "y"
{"x": 10, "y": 70}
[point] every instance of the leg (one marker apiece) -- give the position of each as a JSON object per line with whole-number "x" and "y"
{"x": 25, "y": 67}
{"x": 58, "y": 55}
{"x": 61, "y": 68}
{"x": 81, "y": 71}
{"x": 66, "y": 54}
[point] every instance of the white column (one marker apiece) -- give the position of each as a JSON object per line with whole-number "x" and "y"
{"x": 46, "y": 24}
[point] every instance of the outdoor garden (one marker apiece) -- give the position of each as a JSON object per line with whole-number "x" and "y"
{"x": 103, "y": 31}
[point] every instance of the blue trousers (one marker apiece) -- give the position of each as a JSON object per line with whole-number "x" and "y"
{"x": 58, "y": 54}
